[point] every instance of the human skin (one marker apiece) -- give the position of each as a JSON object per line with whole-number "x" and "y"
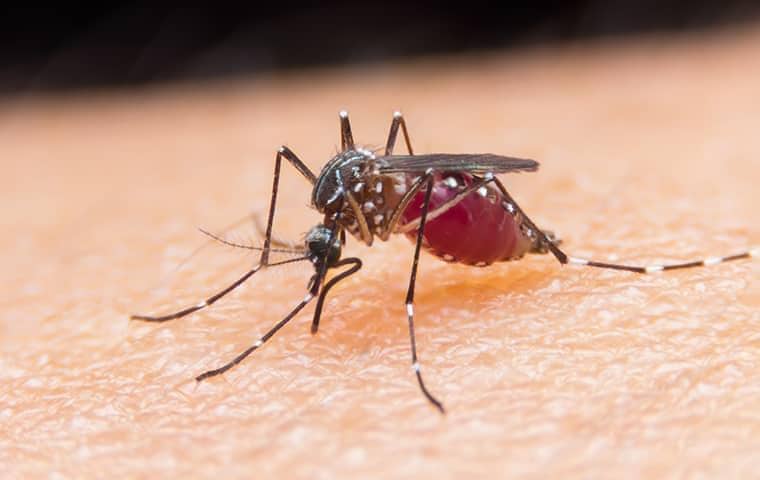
{"x": 648, "y": 151}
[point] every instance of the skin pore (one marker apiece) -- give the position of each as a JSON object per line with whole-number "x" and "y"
{"x": 648, "y": 154}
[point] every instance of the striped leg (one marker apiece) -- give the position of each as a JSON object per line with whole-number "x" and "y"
{"x": 259, "y": 342}
{"x": 315, "y": 284}
{"x": 283, "y": 152}
{"x": 661, "y": 268}
{"x": 567, "y": 259}
{"x": 410, "y": 295}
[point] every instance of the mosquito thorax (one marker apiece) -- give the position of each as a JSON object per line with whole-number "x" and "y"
{"x": 339, "y": 174}
{"x": 319, "y": 247}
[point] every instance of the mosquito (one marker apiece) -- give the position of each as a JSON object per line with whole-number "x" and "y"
{"x": 451, "y": 205}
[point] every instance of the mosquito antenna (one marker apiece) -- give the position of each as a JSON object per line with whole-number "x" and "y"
{"x": 248, "y": 247}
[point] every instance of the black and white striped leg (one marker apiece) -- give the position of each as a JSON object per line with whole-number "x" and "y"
{"x": 314, "y": 286}
{"x": 564, "y": 258}
{"x": 218, "y": 371}
{"x": 709, "y": 261}
{"x": 264, "y": 260}
{"x": 210, "y": 300}
{"x": 398, "y": 120}
{"x": 200, "y": 305}
{"x": 410, "y": 294}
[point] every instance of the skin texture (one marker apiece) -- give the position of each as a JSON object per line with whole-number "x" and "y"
{"x": 649, "y": 150}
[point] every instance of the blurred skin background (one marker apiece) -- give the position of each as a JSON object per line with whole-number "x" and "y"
{"x": 59, "y": 49}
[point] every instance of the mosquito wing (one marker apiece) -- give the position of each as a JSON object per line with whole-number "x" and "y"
{"x": 476, "y": 163}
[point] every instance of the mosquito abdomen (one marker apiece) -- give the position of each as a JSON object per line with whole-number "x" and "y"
{"x": 479, "y": 230}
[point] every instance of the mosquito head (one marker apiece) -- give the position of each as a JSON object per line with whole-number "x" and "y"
{"x": 318, "y": 245}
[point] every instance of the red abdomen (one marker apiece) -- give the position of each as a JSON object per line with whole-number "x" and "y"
{"x": 479, "y": 230}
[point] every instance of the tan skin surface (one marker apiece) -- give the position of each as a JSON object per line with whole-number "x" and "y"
{"x": 648, "y": 151}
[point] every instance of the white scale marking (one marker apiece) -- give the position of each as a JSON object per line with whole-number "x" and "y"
{"x": 308, "y": 297}
{"x": 410, "y": 309}
{"x": 379, "y": 218}
{"x": 451, "y": 182}
{"x": 416, "y": 367}
{"x": 258, "y": 343}
{"x": 358, "y": 187}
{"x": 379, "y": 187}
{"x": 508, "y": 207}
{"x": 368, "y": 207}
{"x": 488, "y": 176}
{"x": 577, "y": 261}
{"x": 202, "y": 304}
{"x": 483, "y": 191}
{"x": 709, "y": 261}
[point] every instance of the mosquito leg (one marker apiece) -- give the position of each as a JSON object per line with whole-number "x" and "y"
{"x": 203, "y": 304}
{"x": 297, "y": 163}
{"x": 314, "y": 286}
{"x": 563, "y": 258}
{"x": 264, "y": 260}
{"x": 210, "y": 300}
{"x": 398, "y": 119}
{"x": 357, "y": 264}
{"x": 410, "y": 295}
{"x": 304, "y": 170}
{"x": 259, "y": 343}
{"x": 346, "y": 138}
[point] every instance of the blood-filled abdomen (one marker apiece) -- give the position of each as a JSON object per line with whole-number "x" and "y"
{"x": 479, "y": 230}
